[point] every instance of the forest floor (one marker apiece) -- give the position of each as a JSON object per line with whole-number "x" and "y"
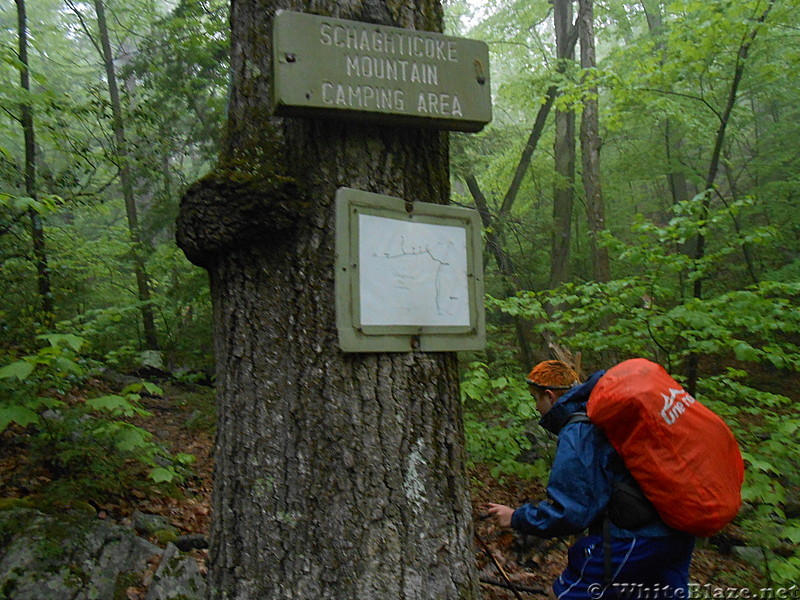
{"x": 182, "y": 420}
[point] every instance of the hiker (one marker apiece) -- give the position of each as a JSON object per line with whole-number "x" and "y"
{"x": 628, "y": 551}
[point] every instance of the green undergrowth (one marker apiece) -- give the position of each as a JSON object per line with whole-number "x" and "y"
{"x": 79, "y": 449}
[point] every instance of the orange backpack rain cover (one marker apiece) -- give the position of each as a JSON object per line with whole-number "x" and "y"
{"x": 683, "y": 456}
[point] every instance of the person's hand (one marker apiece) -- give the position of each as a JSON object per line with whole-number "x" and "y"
{"x": 501, "y": 513}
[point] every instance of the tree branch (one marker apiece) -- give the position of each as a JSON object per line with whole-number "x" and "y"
{"x": 84, "y": 26}
{"x": 536, "y": 132}
{"x": 700, "y": 99}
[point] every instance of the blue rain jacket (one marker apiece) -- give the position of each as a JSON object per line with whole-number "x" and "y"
{"x": 582, "y": 476}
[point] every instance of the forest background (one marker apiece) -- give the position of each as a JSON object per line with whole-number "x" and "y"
{"x": 638, "y": 189}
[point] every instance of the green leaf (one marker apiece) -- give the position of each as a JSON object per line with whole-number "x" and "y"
{"x": 500, "y": 382}
{"x": 745, "y": 352}
{"x": 140, "y": 386}
{"x": 20, "y": 369}
{"x": 152, "y": 388}
{"x": 46, "y": 402}
{"x": 68, "y": 366}
{"x": 63, "y": 339}
{"x": 161, "y": 475}
{"x": 792, "y": 534}
{"x": 132, "y": 438}
{"x": 759, "y": 465}
{"x": 185, "y": 459}
{"x": 17, "y": 414}
{"x": 111, "y": 403}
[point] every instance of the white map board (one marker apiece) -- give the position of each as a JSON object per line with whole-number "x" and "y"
{"x": 412, "y": 273}
{"x": 409, "y": 275}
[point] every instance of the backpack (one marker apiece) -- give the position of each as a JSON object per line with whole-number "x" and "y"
{"x": 682, "y": 455}
{"x": 628, "y": 507}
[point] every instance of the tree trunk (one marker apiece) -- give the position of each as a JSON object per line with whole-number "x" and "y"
{"x": 37, "y": 229}
{"x": 676, "y": 177}
{"x": 511, "y": 284}
{"x": 337, "y": 475}
{"x": 747, "y": 254}
{"x": 590, "y": 147}
{"x": 126, "y": 179}
{"x": 564, "y": 148}
{"x": 494, "y": 225}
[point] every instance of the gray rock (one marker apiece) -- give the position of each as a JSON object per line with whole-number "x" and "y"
{"x": 119, "y": 379}
{"x": 71, "y": 556}
{"x": 75, "y": 556}
{"x": 537, "y": 449}
{"x": 177, "y": 578}
{"x": 148, "y": 524}
{"x": 152, "y": 359}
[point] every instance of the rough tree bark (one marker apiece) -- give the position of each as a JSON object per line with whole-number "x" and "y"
{"x": 337, "y": 475}
{"x": 564, "y": 148}
{"x": 590, "y": 147}
{"x": 37, "y": 228}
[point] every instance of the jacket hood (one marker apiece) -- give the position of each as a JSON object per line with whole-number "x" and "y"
{"x": 571, "y": 402}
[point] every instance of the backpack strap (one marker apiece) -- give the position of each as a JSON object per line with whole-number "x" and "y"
{"x": 636, "y": 499}
{"x": 608, "y": 566}
{"x": 578, "y": 417}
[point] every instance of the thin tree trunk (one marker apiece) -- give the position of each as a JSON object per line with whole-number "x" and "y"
{"x": 538, "y": 128}
{"x": 652, "y": 13}
{"x": 571, "y": 38}
{"x": 713, "y": 167}
{"x": 564, "y": 148}
{"x": 746, "y": 253}
{"x": 493, "y": 242}
{"x": 524, "y": 162}
{"x": 338, "y": 476}
{"x": 495, "y": 224}
{"x": 590, "y": 147}
{"x": 126, "y": 179}
{"x": 678, "y": 186}
{"x": 676, "y": 178}
{"x": 37, "y": 229}
{"x": 510, "y": 283}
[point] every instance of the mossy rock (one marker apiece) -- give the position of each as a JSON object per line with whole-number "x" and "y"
{"x": 12, "y": 503}
{"x": 66, "y": 556}
{"x": 166, "y": 536}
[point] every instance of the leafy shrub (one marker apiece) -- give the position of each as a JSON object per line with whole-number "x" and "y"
{"x": 498, "y": 416}
{"x": 768, "y": 430}
{"x": 86, "y": 447}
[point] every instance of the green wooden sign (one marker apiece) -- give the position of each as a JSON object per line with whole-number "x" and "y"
{"x": 409, "y": 275}
{"x": 333, "y": 67}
